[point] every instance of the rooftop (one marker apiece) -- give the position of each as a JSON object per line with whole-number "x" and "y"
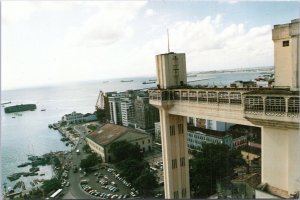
{"x": 251, "y": 149}
{"x": 110, "y": 132}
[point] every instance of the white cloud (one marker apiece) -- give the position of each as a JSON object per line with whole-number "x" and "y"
{"x": 210, "y": 45}
{"x": 150, "y": 13}
{"x": 109, "y": 24}
{"x": 19, "y": 11}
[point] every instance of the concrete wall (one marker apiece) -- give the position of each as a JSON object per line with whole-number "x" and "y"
{"x": 280, "y": 160}
{"x": 170, "y": 69}
{"x": 286, "y": 58}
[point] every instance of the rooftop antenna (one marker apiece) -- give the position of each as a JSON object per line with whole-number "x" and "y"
{"x": 168, "y": 41}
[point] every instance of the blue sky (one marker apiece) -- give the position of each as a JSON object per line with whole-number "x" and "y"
{"x": 49, "y": 42}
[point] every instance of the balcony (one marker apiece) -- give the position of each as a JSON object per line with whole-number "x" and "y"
{"x": 254, "y": 103}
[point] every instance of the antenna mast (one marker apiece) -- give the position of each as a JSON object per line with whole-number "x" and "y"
{"x": 168, "y": 41}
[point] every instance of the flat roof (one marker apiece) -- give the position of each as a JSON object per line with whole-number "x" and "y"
{"x": 110, "y": 132}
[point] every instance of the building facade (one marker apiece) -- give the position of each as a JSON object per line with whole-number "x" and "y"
{"x": 198, "y": 137}
{"x": 101, "y": 140}
{"x": 146, "y": 114}
{"x": 127, "y": 112}
{"x": 73, "y": 118}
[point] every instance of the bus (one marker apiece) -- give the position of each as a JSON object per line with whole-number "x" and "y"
{"x": 56, "y": 194}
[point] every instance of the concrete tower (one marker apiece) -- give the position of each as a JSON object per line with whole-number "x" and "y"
{"x": 286, "y": 54}
{"x": 171, "y": 72}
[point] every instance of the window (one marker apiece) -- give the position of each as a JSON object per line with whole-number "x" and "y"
{"x": 183, "y": 193}
{"x": 293, "y": 105}
{"x": 172, "y": 130}
{"x": 182, "y": 161}
{"x": 174, "y": 163}
{"x": 275, "y": 104}
{"x": 253, "y": 103}
{"x": 223, "y": 97}
{"x": 202, "y": 97}
{"x": 235, "y": 98}
{"x": 286, "y": 43}
{"x": 180, "y": 128}
{"x": 176, "y": 196}
{"x": 212, "y": 97}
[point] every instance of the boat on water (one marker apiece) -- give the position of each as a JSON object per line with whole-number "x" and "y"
{"x": 43, "y": 110}
{"x": 8, "y": 102}
{"x": 126, "y": 81}
{"x": 20, "y": 108}
{"x": 149, "y": 82}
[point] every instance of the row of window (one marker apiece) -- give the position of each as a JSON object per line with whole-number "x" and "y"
{"x": 174, "y": 162}
{"x": 180, "y": 129}
{"x": 183, "y": 192}
{"x": 272, "y": 104}
{"x": 143, "y": 142}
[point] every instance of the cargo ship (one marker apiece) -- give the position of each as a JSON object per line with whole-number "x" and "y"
{"x": 20, "y": 108}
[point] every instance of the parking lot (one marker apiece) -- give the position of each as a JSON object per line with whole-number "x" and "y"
{"x": 106, "y": 183}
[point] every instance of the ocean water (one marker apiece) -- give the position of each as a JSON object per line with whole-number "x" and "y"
{"x": 29, "y": 133}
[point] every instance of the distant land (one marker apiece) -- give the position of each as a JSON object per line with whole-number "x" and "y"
{"x": 248, "y": 69}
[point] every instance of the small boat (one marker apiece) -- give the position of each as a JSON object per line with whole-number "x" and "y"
{"x": 126, "y": 81}
{"x": 6, "y": 103}
{"x": 149, "y": 82}
{"x": 43, "y": 110}
{"x": 13, "y": 117}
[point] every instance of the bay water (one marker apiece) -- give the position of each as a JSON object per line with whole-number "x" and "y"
{"x": 28, "y": 133}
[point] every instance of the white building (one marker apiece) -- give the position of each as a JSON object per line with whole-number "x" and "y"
{"x": 73, "y": 118}
{"x": 127, "y": 112}
{"x": 197, "y": 137}
{"x": 115, "y": 110}
{"x": 217, "y": 126}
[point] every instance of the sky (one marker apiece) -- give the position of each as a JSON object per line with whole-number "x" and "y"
{"x": 52, "y": 42}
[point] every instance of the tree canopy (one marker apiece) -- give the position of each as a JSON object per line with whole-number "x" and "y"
{"x": 122, "y": 150}
{"x": 101, "y": 115}
{"x": 129, "y": 160}
{"x": 214, "y": 162}
{"x": 51, "y": 185}
{"x": 90, "y": 161}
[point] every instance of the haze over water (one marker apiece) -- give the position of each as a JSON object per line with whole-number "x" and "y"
{"x": 29, "y": 133}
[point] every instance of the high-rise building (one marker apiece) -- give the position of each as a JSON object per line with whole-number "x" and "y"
{"x": 146, "y": 114}
{"x": 127, "y": 112}
{"x": 115, "y": 110}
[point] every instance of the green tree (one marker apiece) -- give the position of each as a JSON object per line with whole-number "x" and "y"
{"x": 90, "y": 161}
{"x": 51, "y": 185}
{"x": 56, "y": 162}
{"x": 86, "y": 148}
{"x": 100, "y": 114}
{"x": 131, "y": 168}
{"x": 146, "y": 182}
{"x": 214, "y": 162}
{"x": 122, "y": 150}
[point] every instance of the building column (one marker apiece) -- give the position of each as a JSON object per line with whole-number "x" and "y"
{"x": 175, "y": 155}
{"x": 284, "y": 171}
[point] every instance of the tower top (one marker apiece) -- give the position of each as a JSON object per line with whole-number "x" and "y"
{"x": 168, "y": 41}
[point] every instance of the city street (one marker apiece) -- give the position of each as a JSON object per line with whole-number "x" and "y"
{"x": 75, "y": 191}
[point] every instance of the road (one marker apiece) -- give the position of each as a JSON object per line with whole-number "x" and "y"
{"x": 75, "y": 191}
